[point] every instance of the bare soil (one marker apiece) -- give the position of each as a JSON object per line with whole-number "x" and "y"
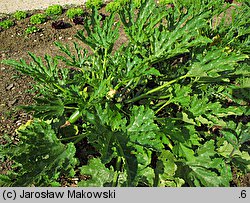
{"x": 16, "y": 89}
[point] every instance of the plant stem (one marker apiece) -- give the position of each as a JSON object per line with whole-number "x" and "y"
{"x": 93, "y": 66}
{"x": 156, "y": 89}
{"x": 165, "y": 85}
{"x": 79, "y": 138}
{"x": 118, "y": 165}
{"x": 70, "y": 107}
{"x": 69, "y": 138}
{"x": 167, "y": 103}
{"x": 59, "y": 87}
{"x": 104, "y": 62}
{"x": 128, "y": 183}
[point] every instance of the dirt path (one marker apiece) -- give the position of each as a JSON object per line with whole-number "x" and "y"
{"x": 11, "y": 6}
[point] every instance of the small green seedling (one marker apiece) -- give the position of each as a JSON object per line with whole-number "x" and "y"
{"x": 6, "y": 24}
{"x": 31, "y": 30}
{"x": 38, "y": 19}
{"x": 73, "y": 12}
{"x": 19, "y": 15}
{"x": 95, "y": 3}
{"x": 54, "y": 10}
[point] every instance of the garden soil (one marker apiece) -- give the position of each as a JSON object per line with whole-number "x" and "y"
{"x": 16, "y": 89}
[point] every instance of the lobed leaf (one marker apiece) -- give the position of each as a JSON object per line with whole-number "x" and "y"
{"x": 41, "y": 154}
{"x": 203, "y": 165}
{"x": 98, "y": 178}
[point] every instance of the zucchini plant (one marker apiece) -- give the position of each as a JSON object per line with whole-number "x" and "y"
{"x": 170, "y": 107}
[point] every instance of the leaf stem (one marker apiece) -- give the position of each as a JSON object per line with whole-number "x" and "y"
{"x": 70, "y": 107}
{"x": 59, "y": 87}
{"x": 156, "y": 89}
{"x": 79, "y": 138}
{"x": 105, "y": 61}
{"x": 118, "y": 165}
{"x": 69, "y": 138}
{"x": 128, "y": 183}
{"x": 167, "y": 103}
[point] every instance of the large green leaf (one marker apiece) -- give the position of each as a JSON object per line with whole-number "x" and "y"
{"x": 241, "y": 159}
{"x": 165, "y": 170}
{"x": 48, "y": 72}
{"x": 179, "y": 133}
{"x": 99, "y": 174}
{"x": 41, "y": 155}
{"x": 166, "y": 44}
{"x": 99, "y": 35}
{"x": 46, "y": 108}
{"x": 142, "y": 129}
{"x": 215, "y": 63}
{"x": 108, "y": 137}
{"x": 140, "y": 26}
{"x": 145, "y": 174}
{"x": 203, "y": 166}
{"x": 132, "y": 142}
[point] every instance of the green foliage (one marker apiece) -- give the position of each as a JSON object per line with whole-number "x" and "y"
{"x": 73, "y": 12}
{"x": 112, "y": 6}
{"x": 6, "y": 24}
{"x": 18, "y": 15}
{"x": 165, "y": 2}
{"x": 170, "y": 107}
{"x": 202, "y": 166}
{"x": 117, "y": 5}
{"x": 99, "y": 38}
{"x": 99, "y": 177}
{"x": 40, "y": 156}
{"x": 95, "y": 3}
{"x": 38, "y": 19}
{"x": 54, "y": 10}
{"x": 31, "y": 29}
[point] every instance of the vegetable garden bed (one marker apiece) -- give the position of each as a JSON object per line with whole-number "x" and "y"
{"x": 149, "y": 94}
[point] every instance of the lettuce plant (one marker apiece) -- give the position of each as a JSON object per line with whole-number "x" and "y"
{"x": 95, "y": 3}
{"x": 73, "y": 12}
{"x": 170, "y": 107}
{"x": 38, "y": 19}
{"x": 6, "y": 24}
{"x": 18, "y": 15}
{"x": 115, "y": 5}
{"x": 31, "y": 29}
{"x": 54, "y": 10}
